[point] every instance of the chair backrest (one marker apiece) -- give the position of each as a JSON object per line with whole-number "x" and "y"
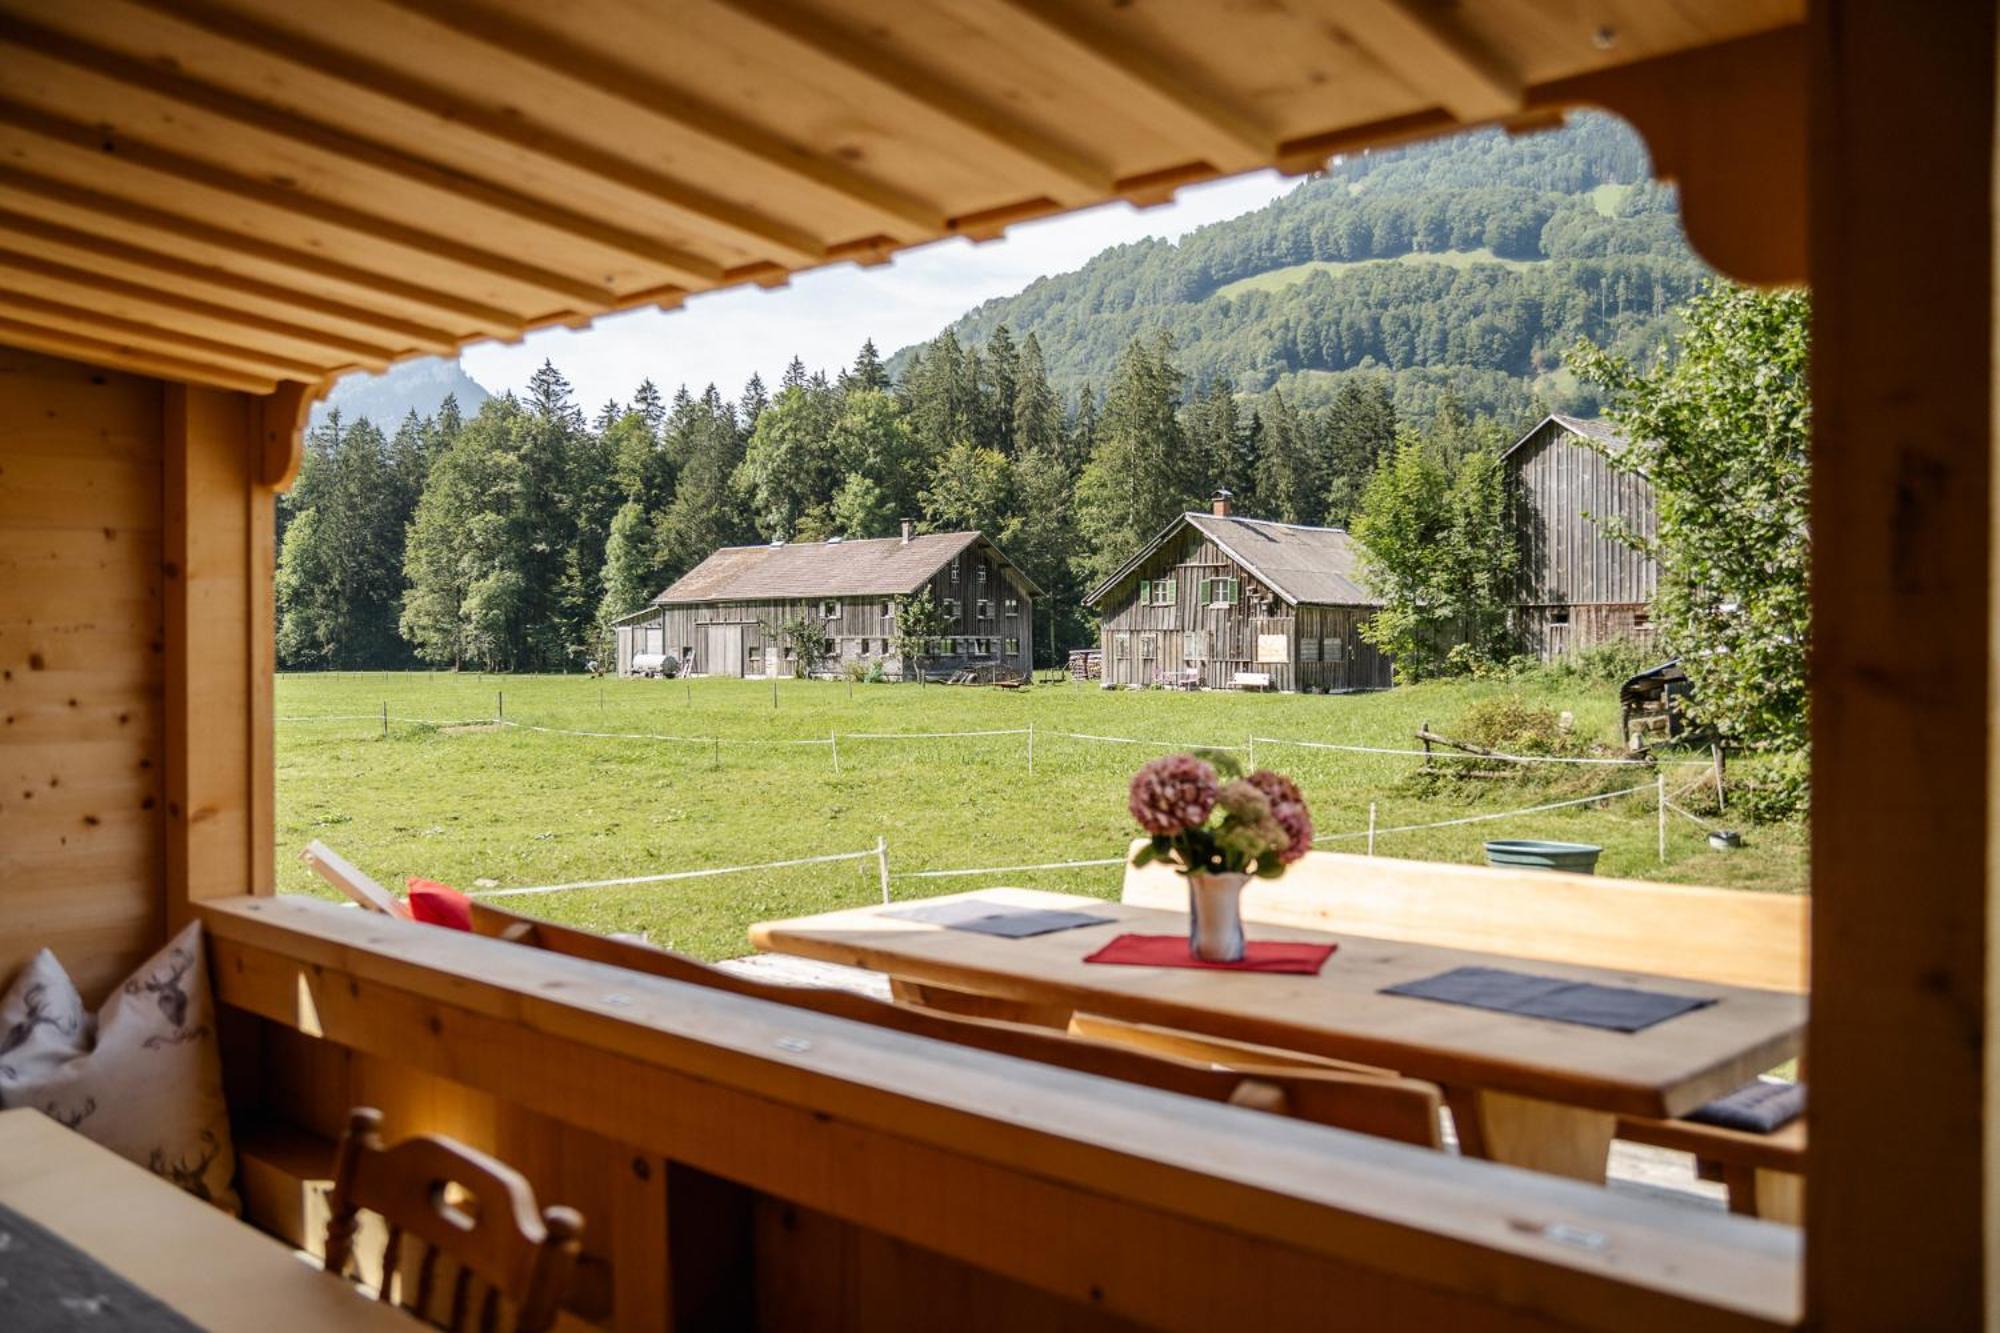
{"x": 338, "y": 871}
{"x": 498, "y": 1249}
{"x": 1384, "y": 1105}
{"x": 1727, "y": 936}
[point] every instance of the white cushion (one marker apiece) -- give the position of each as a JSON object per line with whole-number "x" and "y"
{"x": 143, "y": 1076}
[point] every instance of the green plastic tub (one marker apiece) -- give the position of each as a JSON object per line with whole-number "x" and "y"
{"x": 1532, "y": 854}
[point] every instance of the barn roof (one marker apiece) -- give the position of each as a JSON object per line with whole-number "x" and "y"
{"x": 1303, "y": 565}
{"x": 1593, "y": 428}
{"x": 876, "y": 566}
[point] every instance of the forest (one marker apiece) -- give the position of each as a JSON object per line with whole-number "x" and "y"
{"x": 1425, "y": 294}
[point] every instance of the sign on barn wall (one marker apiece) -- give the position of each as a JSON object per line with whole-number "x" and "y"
{"x": 1273, "y": 648}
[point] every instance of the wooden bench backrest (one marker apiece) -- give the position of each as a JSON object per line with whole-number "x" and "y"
{"x": 1387, "y": 1107}
{"x": 1726, "y": 936}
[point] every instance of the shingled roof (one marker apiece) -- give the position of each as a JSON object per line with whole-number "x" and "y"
{"x": 1591, "y": 428}
{"x": 872, "y": 567}
{"x": 1309, "y": 566}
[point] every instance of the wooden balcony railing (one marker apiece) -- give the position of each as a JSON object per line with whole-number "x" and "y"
{"x": 738, "y": 1162}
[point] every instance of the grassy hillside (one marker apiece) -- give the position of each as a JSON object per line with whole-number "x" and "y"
{"x": 478, "y": 805}
{"x": 1501, "y": 252}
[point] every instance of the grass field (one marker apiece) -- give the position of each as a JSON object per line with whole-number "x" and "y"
{"x": 478, "y": 805}
{"x": 1278, "y": 279}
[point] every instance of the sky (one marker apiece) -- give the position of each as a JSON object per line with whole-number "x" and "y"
{"x": 823, "y": 316}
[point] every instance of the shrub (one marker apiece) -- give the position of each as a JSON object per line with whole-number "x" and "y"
{"x": 1512, "y": 725}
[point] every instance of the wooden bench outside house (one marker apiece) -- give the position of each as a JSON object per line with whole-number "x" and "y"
{"x": 1724, "y": 936}
{"x": 1250, "y": 680}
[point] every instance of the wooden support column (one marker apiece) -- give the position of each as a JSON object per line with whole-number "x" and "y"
{"x": 1905, "y": 832}
{"x": 219, "y": 525}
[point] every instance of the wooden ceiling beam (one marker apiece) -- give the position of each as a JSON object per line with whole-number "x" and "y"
{"x": 897, "y": 212}
{"x": 262, "y": 119}
{"x": 62, "y": 317}
{"x": 109, "y": 146}
{"x": 1069, "y": 176}
{"x": 1421, "y": 45}
{"x": 1196, "y": 119}
{"x": 478, "y": 316}
{"x": 23, "y": 271}
{"x": 173, "y": 276}
{"x": 707, "y": 212}
{"x": 118, "y": 356}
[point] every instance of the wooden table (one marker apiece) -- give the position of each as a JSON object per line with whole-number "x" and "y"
{"x": 1530, "y": 1091}
{"x": 216, "y": 1271}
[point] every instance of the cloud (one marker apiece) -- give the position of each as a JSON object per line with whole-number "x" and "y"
{"x": 823, "y": 316}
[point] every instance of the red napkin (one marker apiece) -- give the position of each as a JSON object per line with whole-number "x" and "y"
{"x": 439, "y": 904}
{"x": 1172, "y": 951}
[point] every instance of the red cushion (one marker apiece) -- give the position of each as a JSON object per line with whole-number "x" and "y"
{"x": 439, "y": 904}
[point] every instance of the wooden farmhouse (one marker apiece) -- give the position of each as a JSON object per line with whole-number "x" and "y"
{"x": 1579, "y": 583}
{"x": 213, "y": 210}
{"x": 721, "y": 618}
{"x": 1223, "y": 602}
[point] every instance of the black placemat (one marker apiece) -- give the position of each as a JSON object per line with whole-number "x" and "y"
{"x": 1617, "y": 1008}
{"x": 48, "y": 1285}
{"x": 991, "y": 918}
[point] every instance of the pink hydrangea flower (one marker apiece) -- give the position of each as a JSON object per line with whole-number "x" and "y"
{"x": 1173, "y": 794}
{"x": 1288, "y": 808}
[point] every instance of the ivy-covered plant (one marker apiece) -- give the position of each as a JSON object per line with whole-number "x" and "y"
{"x": 810, "y": 645}
{"x": 1722, "y": 432}
{"x": 1205, "y": 823}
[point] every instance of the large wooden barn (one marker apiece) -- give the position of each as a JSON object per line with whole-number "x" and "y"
{"x": 1226, "y": 602}
{"x": 212, "y": 209}
{"x": 1580, "y": 584}
{"x": 722, "y": 617}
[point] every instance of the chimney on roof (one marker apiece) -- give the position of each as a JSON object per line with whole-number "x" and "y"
{"x": 777, "y": 541}
{"x": 834, "y": 540}
{"x": 1219, "y": 505}
{"x": 909, "y": 530}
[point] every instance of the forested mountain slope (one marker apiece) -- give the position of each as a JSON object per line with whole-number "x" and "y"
{"x": 419, "y": 386}
{"x": 1469, "y": 263}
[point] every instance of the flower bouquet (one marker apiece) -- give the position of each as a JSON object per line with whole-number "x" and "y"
{"x": 1218, "y": 827}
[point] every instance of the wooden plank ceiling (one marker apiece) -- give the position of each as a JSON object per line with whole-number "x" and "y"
{"x": 246, "y": 192}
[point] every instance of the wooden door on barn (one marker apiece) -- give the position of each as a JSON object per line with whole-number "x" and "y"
{"x": 1149, "y": 659}
{"x": 722, "y": 650}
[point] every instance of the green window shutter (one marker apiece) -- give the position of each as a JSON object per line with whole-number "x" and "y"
{"x": 1173, "y": 591}
{"x": 1145, "y": 591}
{"x": 1206, "y": 593}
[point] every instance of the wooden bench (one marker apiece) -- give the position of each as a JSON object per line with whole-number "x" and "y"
{"x": 1183, "y": 678}
{"x": 1720, "y": 935}
{"x": 1250, "y": 680}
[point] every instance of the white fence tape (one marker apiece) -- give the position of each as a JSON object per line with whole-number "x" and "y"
{"x": 1480, "y": 819}
{"x": 1135, "y": 740}
{"x": 1460, "y": 754}
{"x": 869, "y": 855}
{"x": 1006, "y": 870}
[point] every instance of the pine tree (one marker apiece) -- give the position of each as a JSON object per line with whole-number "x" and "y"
{"x": 750, "y": 406}
{"x": 872, "y": 443}
{"x": 646, "y": 401}
{"x": 462, "y": 584}
{"x": 337, "y": 583}
{"x": 1139, "y": 475}
{"x": 789, "y": 468}
{"x": 999, "y": 386}
{"x": 867, "y": 373}
{"x": 628, "y": 565}
{"x": 706, "y": 511}
{"x": 1291, "y": 477}
{"x": 1038, "y": 423}
{"x": 1361, "y": 430}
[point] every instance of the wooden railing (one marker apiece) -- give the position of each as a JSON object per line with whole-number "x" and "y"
{"x": 740, "y": 1162}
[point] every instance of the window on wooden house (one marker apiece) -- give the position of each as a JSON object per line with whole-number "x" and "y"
{"x": 1168, "y": 591}
{"x": 951, "y": 608}
{"x": 1195, "y": 645}
{"x": 1012, "y": 606}
{"x": 1222, "y": 592}
{"x": 985, "y": 609}
{"x": 1334, "y": 650}
{"x": 755, "y": 654}
{"x": 1013, "y": 647}
{"x": 1121, "y": 644}
{"x": 888, "y": 609}
{"x": 830, "y": 609}
{"x": 954, "y": 573}
{"x": 1559, "y": 616}
{"x": 980, "y": 578}
{"x": 1642, "y": 620}
{"x": 1308, "y": 650}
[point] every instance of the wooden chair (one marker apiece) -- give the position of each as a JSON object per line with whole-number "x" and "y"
{"x": 490, "y": 1232}
{"x": 1369, "y": 1102}
{"x": 1718, "y": 935}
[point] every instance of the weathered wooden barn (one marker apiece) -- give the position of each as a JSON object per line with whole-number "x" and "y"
{"x": 1224, "y": 602}
{"x": 213, "y": 209}
{"x": 722, "y": 617}
{"x": 1579, "y": 583}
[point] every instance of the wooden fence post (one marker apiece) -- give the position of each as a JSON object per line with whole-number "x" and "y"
{"x": 833, "y": 741}
{"x": 882, "y": 863}
{"x": 1371, "y": 828}
{"x": 1660, "y": 785}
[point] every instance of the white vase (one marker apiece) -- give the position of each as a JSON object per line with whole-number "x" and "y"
{"x": 1215, "y": 917}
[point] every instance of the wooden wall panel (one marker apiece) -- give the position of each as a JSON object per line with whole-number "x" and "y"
{"x": 82, "y": 835}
